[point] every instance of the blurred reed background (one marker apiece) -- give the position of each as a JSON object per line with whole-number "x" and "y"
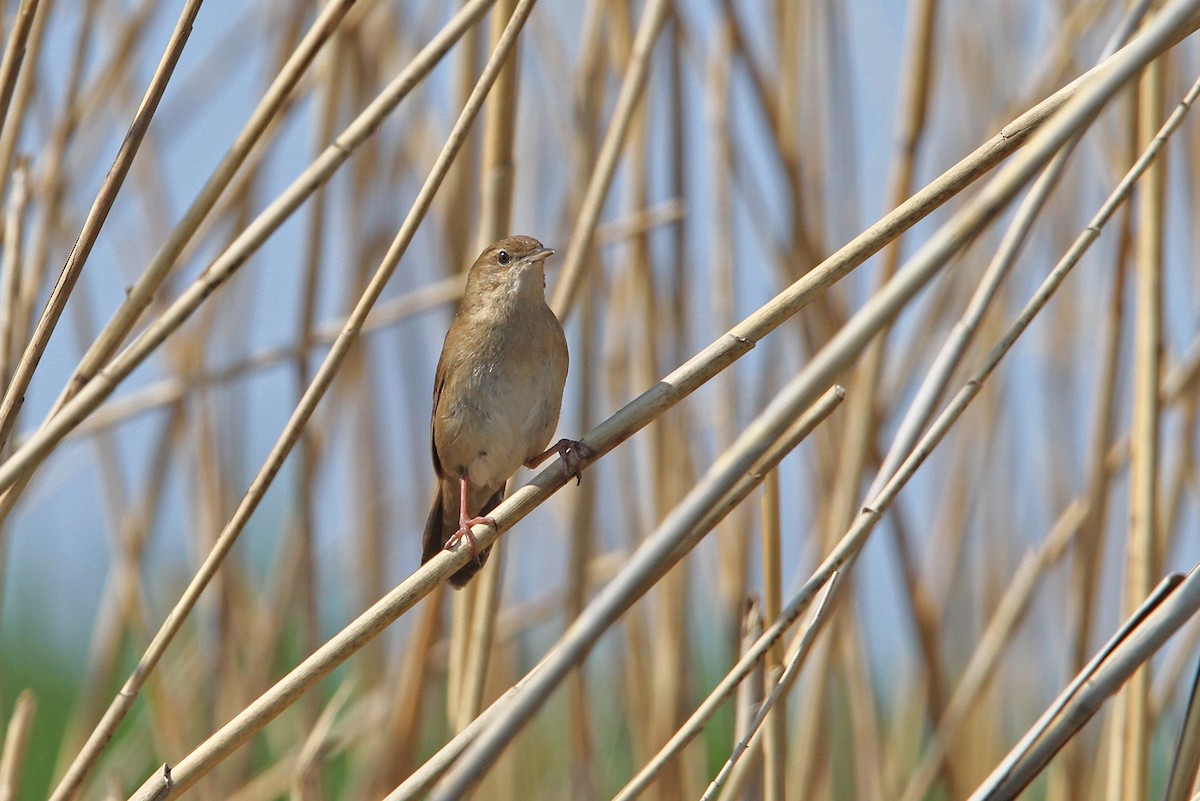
{"x": 215, "y": 461}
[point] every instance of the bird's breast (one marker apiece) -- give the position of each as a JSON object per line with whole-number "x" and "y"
{"x": 504, "y": 407}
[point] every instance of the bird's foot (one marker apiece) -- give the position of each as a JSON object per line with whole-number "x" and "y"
{"x": 573, "y": 454}
{"x": 464, "y": 532}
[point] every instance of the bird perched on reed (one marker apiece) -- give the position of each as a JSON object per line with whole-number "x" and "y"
{"x": 496, "y": 395}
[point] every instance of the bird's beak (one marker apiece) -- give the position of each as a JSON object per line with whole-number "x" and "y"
{"x": 539, "y": 255}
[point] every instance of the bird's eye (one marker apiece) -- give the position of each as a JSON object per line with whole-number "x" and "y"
{"x": 503, "y": 257}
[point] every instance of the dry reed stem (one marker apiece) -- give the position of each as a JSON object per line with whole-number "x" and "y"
{"x": 1169, "y": 606}
{"x": 480, "y": 632}
{"x": 16, "y": 745}
{"x": 306, "y": 591}
{"x": 306, "y": 777}
{"x": 984, "y": 661}
{"x": 10, "y": 282}
{"x": 157, "y": 786}
{"x": 14, "y": 395}
{"x": 1182, "y": 777}
{"x": 14, "y": 118}
{"x": 1141, "y": 560}
{"x": 732, "y": 547}
{"x": 917, "y": 417}
{"x": 780, "y": 687}
{"x": 747, "y": 785}
{"x": 861, "y": 424}
{"x": 775, "y": 733}
{"x": 480, "y": 600}
{"x": 14, "y": 54}
{"x": 632, "y": 86}
{"x": 1090, "y": 550}
{"x": 397, "y": 748}
{"x": 460, "y": 631}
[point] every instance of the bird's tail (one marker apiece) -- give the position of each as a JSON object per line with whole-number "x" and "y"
{"x": 442, "y": 524}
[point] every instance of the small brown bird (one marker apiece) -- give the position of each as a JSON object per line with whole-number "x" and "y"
{"x": 496, "y": 396}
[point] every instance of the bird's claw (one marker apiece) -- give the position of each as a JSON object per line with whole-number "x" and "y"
{"x": 573, "y": 454}
{"x": 464, "y": 532}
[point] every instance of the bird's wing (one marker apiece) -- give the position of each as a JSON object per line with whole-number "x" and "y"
{"x": 439, "y": 383}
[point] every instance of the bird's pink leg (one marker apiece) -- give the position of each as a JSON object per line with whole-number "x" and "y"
{"x": 572, "y": 452}
{"x": 465, "y": 522}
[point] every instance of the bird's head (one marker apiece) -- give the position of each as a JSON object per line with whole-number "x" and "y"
{"x": 511, "y": 269}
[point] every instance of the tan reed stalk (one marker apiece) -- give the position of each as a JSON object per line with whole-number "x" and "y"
{"x": 864, "y": 720}
{"x": 14, "y": 116}
{"x": 802, "y": 244}
{"x": 732, "y": 546}
{"x": 669, "y": 448}
{"x": 926, "y": 612}
{"x": 14, "y": 54}
{"x": 585, "y": 358}
{"x": 396, "y": 751}
{"x": 954, "y": 347}
{"x": 501, "y": 116}
{"x": 10, "y": 282}
{"x": 500, "y": 122}
{"x": 462, "y": 182}
{"x": 680, "y": 149}
{"x": 1182, "y": 778}
{"x": 1171, "y": 507}
{"x": 778, "y": 690}
{"x": 124, "y": 608}
{"x": 305, "y": 595}
{"x": 306, "y": 780}
{"x": 51, "y": 184}
{"x": 984, "y": 662}
{"x": 632, "y": 85}
{"x": 861, "y": 423}
{"x": 372, "y": 468}
{"x": 580, "y": 548}
{"x": 16, "y": 745}
{"x": 1168, "y": 607}
{"x": 1141, "y": 560}
{"x": 748, "y": 786}
{"x": 1090, "y": 550}
{"x": 460, "y": 632}
{"x": 481, "y": 625}
{"x": 14, "y": 395}
{"x": 774, "y": 725}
